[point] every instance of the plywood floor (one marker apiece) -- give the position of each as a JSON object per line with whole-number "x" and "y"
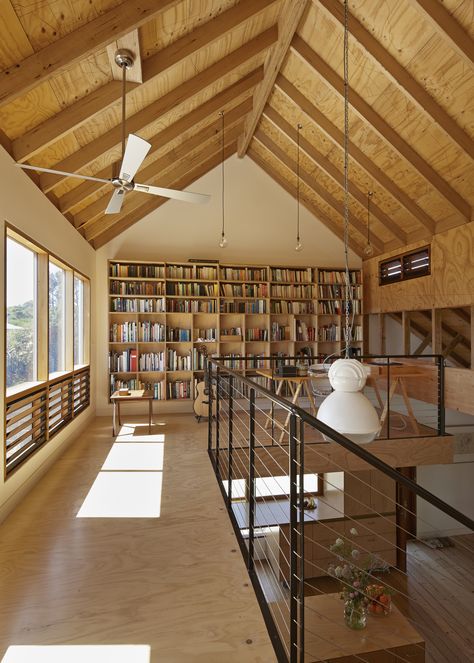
{"x": 177, "y": 583}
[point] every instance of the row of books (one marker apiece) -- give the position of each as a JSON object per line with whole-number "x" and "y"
{"x": 178, "y": 335}
{"x": 191, "y": 306}
{"x": 205, "y": 335}
{"x": 207, "y": 273}
{"x": 121, "y": 305}
{"x": 290, "y": 291}
{"x": 339, "y": 291}
{"x": 140, "y": 271}
{"x": 151, "y": 361}
{"x": 158, "y": 389}
{"x": 256, "y": 334}
{"x": 338, "y": 307}
{"x": 330, "y": 332}
{"x": 243, "y": 274}
{"x": 123, "y": 362}
{"x": 244, "y": 290}
{"x": 291, "y": 275}
{"x": 258, "y": 306}
{"x": 303, "y": 332}
{"x": 176, "y": 362}
{"x": 151, "y": 332}
{"x": 192, "y": 289}
{"x": 231, "y": 331}
{"x": 179, "y": 272}
{"x": 357, "y": 334}
{"x": 117, "y": 383}
{"x": 137, "y": 288}
{"x": 337, "y": 276}
{"x": 123, "y": 332}
{"x": 284, "y": 306}
{"x": 179, "y": 389}
{"x": 280, "y": 332}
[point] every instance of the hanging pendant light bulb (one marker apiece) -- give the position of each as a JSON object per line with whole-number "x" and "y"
{"x": 368, "y": 250}
{"x": 346, "y": 409}
{"x": 223, "y": 240}
{"x": 299, "y": 246}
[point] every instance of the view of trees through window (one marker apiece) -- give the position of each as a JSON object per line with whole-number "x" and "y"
{"x": 21, "y": 314}
{"x": 79, "y": 358}
{"x": 57, "y": 318}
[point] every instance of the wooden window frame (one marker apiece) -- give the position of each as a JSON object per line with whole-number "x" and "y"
{"x": 74, "y": 380}
{"x": 405, "y": 275}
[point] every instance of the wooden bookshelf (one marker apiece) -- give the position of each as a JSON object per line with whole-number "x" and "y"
{"x": 162, "y": 313}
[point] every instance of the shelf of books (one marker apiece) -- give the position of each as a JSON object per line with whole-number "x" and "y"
{"x": 165, "y": 317}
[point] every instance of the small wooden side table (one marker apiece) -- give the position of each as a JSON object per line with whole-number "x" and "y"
{"x": 133, "y": 395}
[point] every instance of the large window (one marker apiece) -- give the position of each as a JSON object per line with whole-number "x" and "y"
{"x": 21, "y": 297}
{"x": 57, "y": 318}
{"x": 46, "y": 347}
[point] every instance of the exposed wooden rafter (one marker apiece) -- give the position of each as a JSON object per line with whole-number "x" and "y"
{"x": 310, "y": 206}
{"x": 333, "y": 172}
{"x": 401, "y": 77}
{"x": 356, "y": 154}
{"x": 457, "y": 37}
{"x": 77, "y": 45}
{"x": 290, "y": 16}
{"x": 86, "y": 108}
{"x": 220, "y": 101}
{"x": 137, "y": 122}
{"x": 180, "y": 178}
{"x": 381, "y": 127}
{"x": 310, "y": 179}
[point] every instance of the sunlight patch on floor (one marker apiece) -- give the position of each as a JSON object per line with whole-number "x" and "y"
{"x": 77, "y": 654}
{"x": 123, "y": 495}
{"x": 135, "y": 456}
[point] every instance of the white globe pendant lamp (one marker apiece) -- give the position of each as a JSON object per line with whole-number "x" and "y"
{"x": 346, "y": 409}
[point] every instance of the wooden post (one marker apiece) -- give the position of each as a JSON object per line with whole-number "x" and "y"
{"x": 406, "y": 332}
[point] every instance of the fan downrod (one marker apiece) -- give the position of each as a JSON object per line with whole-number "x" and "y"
{"x": 124, "y": 58}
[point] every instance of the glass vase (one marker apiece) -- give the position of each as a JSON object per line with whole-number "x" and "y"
{"x": 355, "y": 614}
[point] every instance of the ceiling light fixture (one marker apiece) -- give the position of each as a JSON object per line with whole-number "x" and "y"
{"x": 299, "y": 246}
{"x": 369, "y": 249}
{"x": 223, "y": 240}
{"x": 346, "y": 409}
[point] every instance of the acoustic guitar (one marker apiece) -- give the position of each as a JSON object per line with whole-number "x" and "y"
{"x": 201, "y": 400}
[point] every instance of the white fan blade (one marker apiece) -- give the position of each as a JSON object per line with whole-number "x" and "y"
{"x": 186, "y": 196}
{"x": 62, "y": 172}
{"x": 135, "y": 151}
{"x": 115, "y": 203}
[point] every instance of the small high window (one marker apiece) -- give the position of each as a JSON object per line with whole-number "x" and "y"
{"x": 409, "y": 265}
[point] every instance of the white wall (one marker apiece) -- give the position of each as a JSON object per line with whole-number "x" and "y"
{"x": 23, "y": 206}
{"x": 260, "y": 228}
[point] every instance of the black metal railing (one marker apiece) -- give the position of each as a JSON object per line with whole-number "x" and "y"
{"x": 279, "y": 469}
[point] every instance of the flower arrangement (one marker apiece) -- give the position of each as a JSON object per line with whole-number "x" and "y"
{"x": 356, "y": 576}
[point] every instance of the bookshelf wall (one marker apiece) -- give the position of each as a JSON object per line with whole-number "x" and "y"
{"x": 160, "y": 314}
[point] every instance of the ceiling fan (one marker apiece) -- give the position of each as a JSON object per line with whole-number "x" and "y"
{"x": 134, "y": 151}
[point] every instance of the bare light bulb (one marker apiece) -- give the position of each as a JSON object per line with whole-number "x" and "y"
{"x": 223, "y": 242}
{"x": 368, "y": 251}
{"x": 299, "y": 246}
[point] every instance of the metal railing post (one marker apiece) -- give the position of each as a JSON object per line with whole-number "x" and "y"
{"x": 229, "y": 446}
{"x": 441, "y": 412}
{"x": 388, "y": 398}
{"x": 218, "y": 395}
{"x": 302, "y": 550}
{"x": 251, "y": 480}
{"x": 293, "y": 472}
{"x": 208, "y": 380}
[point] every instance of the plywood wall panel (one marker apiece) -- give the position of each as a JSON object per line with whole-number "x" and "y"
{"x": 18, "y": 46}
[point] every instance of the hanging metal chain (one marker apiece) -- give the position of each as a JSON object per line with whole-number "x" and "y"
{"x": 221, "y": 113}
{"x": 299, "y": 127}
{"x": 346, "y": 177}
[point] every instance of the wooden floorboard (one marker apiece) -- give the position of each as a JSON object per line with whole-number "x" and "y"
{"x": 177, "y": 583}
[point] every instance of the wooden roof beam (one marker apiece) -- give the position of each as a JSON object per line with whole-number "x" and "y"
{"x": 84, "y": 109}
{"x": 400, "y": 76}
{"x": 332, "y": 171}
{"x": 151, "y": 113}
{"x": 310, "y": 180}
{"x": 291, "y": 189}
{"x": 290, "y": 16}
{"x": 77, "y": 45}
{"x": 87, "y": 215}
{"x": 216, "y": 103}
{"x": 180, "y": 178}
{"x": 356, "y": 154}
{"x": 447, "y": 25}
{"x": 381, "y": 127}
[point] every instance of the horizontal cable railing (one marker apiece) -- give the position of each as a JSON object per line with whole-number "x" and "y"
{"x": 33, "y": 418}
{"x": 314, "y": 525}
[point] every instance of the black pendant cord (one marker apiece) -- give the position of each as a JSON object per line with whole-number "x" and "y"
{"x": 369, "y": 198}
{"x": 124, "y": 82}
{"x": 299, "y": 126}
{"x": 221, "y": 113}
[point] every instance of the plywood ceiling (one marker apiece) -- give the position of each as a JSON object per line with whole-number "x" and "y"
{"x": 269, "y": 64}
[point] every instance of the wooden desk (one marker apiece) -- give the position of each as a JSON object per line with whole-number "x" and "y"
{"x": 328, "y": 639}
{"x": 297, "y": 384}
{"x": 134, "y": 395}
